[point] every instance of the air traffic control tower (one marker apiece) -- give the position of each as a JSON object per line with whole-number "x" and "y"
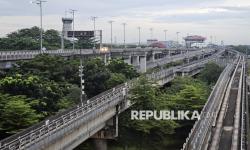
{"x": 67, "y": 26}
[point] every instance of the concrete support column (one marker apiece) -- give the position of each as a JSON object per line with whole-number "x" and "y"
{"x": 169, "y": 53}
{"x": 183, "y": 74}
{"x": 143, "y": 63}
{"x": 136, "y": 60}
{"x": 128, "y": 60}
{"x": 201, "y": 57}
{"x": 100, "y": 144}
{"x": 153, "y": 56}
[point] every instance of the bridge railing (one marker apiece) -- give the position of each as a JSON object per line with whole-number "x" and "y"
{"x": 25, "y": 54}
{"x": 202, "y": 126}
{"x": 50, "y": 125}
{"x": 166, "y": 60}
{"x": 29, "y": 54}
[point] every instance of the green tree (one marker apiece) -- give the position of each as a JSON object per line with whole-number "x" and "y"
{"x": 119, "y": 66}
{"x": 245, "y": 49}
{"x": 210, "y": 73}
{"x": 115, "y": 79}
{"x": 96, "y": 76}
{"x": 33, "y": 33}
{"x": 145, "y": 96}
{"x": 52, "y": 39}
{"x": 85, "y": 43}
{"x": 47, "y": 92}
{"x": 54, "y": 68}
{"x": 16, "y": 113}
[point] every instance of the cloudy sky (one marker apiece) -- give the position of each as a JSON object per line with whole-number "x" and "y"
{"x": 227, "y": 20}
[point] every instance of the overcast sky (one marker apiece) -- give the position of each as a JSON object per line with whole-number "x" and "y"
{"x": 227, "y": 20}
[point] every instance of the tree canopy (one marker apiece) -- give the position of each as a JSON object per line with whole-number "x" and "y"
{"x": 211, "y": 73}
{"x": 48, "y": 84}
{"x": 29, "y": 39}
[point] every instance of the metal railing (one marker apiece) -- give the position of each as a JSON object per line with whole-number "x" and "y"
{"x": 29, "y": 54}
{"x": 202, "y": 126}
{"x": 201, "y": 131}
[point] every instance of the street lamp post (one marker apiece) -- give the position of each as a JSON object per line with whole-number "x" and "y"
{"x": 111, "y": 39}
{"x": 211, "y": 39}
{"x": 151, "y": 33}
{"x": 139, "y": 32}
{"x": 73, "y": 13}
{"x": 177, "y": 38}
{"x": 40, "y": 3}
{"x": 124, "y": 34}
{"x": 165, "y": 31}
{"x": 81, "y": 75}
{"x": 94, "y": 20}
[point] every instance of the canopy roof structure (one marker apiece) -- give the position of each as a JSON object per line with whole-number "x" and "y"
{"x": 194, "y": 39}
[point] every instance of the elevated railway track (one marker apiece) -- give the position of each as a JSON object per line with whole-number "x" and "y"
{"x": 223, "y": 123}
{"x": 70, "y": 128}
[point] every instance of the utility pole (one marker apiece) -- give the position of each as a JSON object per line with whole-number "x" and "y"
{"x": 111, "y": 39}
{"x": 165, "y": 31}
{"x": 40, "y": 3}
{"x": 211, "y": 39}
{"x": 177, "y": 38}
{"x": 73, "y": 13}
{"x": 94, "y": 20}
{"x": 81, "y": 75}
{"x": 139, "y": 31}
{"x": 124, "y": 34}
{"x": 151, "y": 33}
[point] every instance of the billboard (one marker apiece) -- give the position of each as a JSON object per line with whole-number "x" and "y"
{"x": 81, "y": 34}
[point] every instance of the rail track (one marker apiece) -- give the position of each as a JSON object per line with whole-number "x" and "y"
{"x": 223, "y": 119}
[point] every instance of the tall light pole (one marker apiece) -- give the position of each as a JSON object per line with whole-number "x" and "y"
{"x": 124, "y": 34}
{"x": 72, "y": 11}
{"x": 94, "y": 20}
{"x": 165, "y": 31}
{"x": 151, "y": 33}
{"x": 81, "y": 75}
{"x": 111, "y": 39}
{"x": 139, "y": 32}
{"x": 40, "y": 3}
{"x": 211, "y": 39}
{"x": 177, "y": 38}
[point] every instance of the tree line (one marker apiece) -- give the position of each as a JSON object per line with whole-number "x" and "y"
{"x": 183, "y": 93}
{"x": 29, "y": 39}
{"x": 41, "y": 87}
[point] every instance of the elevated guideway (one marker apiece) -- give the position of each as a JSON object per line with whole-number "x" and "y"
{"x": 141, "y": 59}
{"x": 223, "y": 119}
{"x": 70, "y": 128}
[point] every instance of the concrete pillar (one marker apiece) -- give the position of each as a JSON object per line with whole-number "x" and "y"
{"x": 135, "y": 60}
{"x": 128, "y": 60}
{"x": 143, "y": 63}
{"x": 100, "y": 144}
{"x": 201, "y": 57}
{"x": 183, "y": 74}
{"x": 153, "y": 56}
